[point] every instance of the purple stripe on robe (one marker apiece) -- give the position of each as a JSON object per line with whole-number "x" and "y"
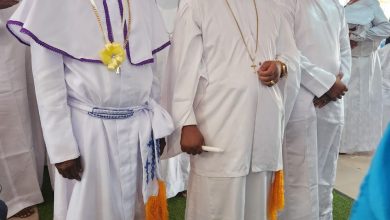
{"x": 120, "y": 7}
{"x": 59, "y": 51}
{"x": 108, "y": 22}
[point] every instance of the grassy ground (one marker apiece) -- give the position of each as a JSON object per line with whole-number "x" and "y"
{"x": 342, "y": 205}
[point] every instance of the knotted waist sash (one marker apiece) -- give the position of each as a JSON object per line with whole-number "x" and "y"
{"x": 156, "y": 124}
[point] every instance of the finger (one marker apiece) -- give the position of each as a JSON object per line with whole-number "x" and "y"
{"x": 265, "y": 65}
{"x": 266, "y": 79}
{"x": 266, "y": 73}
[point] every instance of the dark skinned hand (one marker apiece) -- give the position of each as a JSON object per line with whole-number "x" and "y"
{"x": 321, "y": 101}
{"x": 191, "y": 140}
{"x": 70, "y": 169}
{"x": 269, "y": 71}
{"x": 7, "y": 3}
{"x": 338, "y": 90}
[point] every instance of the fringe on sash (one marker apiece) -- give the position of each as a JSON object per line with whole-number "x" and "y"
{"x": 276, "y": 198}
{"x": 157, "y": 208}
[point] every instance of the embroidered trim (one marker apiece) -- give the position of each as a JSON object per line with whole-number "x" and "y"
{"x": 56, "y": 50}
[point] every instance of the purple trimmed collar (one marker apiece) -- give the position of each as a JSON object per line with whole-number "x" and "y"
{"x": 57, "y": 50}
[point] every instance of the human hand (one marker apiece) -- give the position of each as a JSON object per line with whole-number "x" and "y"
{"x": 269, "y": 72}
{"x": 321, "y": 101}
{"x": 70, "y": 169}
{"x": 338, "y": 90}
{"x": 7, "y": 3}
{"x": 191, "y": 140}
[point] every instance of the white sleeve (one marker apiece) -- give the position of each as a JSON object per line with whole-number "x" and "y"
{"x": 50, "y": 87}
{"x": 288, "y": 53}
{"x": 381, "y": 26}
{"x": 345, "y": 52}
{"x": 317, "y": 80}
{"x": 184, "y": 64}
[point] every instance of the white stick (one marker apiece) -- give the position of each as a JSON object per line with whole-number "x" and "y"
{"x": 212, "y": 149}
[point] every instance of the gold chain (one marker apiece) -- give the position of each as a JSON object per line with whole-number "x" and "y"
{"x": 252, "y": 57}
{"x": 99, "y": 20}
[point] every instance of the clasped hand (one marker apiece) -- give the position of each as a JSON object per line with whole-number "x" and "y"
{"x": 337, "y": 91}
{"x": 269, "y": 72}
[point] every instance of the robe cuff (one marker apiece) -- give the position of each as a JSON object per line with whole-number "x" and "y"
{"x": 191, "y": 119}
{"x": 319, "y": 86}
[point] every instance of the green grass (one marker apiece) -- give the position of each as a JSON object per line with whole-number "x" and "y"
{"x": 342, "y": 205}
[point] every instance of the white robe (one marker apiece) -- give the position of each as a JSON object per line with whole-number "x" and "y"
{"x": 18, "y": 174}
{"x": 322, "y": 38}
{"x": 385, "y": 61}
{"x": 39, "y": 142}
{"x": 363, "y": 102}
{"x": 119, "y": 156}
{"x": 174, "y": 170}
{"x": 215, "y": 88}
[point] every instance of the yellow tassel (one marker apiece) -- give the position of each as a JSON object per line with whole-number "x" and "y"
{"x": 276, "y": 199}
{"x": 157, "y": 208}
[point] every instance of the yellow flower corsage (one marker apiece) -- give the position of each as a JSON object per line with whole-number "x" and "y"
{"x": 113, "y": 56}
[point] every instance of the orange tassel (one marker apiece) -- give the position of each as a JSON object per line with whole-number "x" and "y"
{"x": 276, "y": 200}
{"x": 157, "y": 208}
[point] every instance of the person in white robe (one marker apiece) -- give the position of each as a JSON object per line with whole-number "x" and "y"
{"x": 363, "y": 104}
{"x": 173, "y": 170}
{"x": 18, "y": 173}
{"x": 98, "y": 90}
{"x": 312, "y": 135}
{"x": 218, "y": 100}
{"x": 385, "y": 67}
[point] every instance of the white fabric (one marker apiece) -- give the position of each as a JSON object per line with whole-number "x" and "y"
{"x": 300, "y": 161}
{"x": 363, "y": 106}
{"x": 363, "y": 102}
{"x": 329, "y": 136}
{"x": 324, "y": 54}
{"x": 18, "y": 174}
{"x": 385, "y": 61}
{"x": 214, "y": 86}
{"x": 109, "y": 148}
{"x": 64, "y": 29}
{"x": 238, "y": 198}
{"x": 174, "y": 170}
{"x": 114, "y": 141}
{"x": 39, "y": 142}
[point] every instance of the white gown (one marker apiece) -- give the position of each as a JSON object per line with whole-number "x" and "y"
{"x": 215, "y": 88}
{"x": 174, "y": 170}
{"x": 39, "y": 142}
{"x": 363, "y": 102}
{"x": 312, "y": 136}
{"x": 385, "y": 61}
{"x": 110, "y": 120}
{"x": 18, "y": 174}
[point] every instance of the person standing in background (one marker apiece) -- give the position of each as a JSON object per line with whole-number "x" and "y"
{"x": 368, "y": 26}
{"x": 18, "y": 172}
{"x": 312, "y": 134}
{"x": 174, "y": 170}
{"x": 384, "y": 54}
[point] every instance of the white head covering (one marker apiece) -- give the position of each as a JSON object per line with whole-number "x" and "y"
{"x": 70, "y": 28}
